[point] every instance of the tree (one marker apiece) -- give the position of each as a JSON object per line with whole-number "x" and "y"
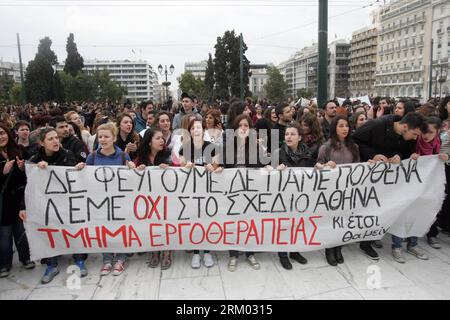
{"x": 188, "y": 83}
{"x": 227, "y": 66}
{"x": 6, "y": 84}
{"x": 107, "y": 89}
{"x": 15, "y": 94}
{"x": 74, "y": 61}
{"x": 209, "y": 78}
{"x": 275, "y": 86}
{"x": 305, "y": 93}
{"x": 220, "y": 70}
{"x": 39, "y": 74}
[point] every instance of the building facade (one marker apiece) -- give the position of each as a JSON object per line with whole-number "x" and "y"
{"x": 137, "y": 77}
{"x": 198, "y": 69}
{"x": 440, "y": 33}
{"x": 338, "y": 69}
{"x": 404, "y": 37}
{"x": 300, "y": 71}
{"x": 12, "y": 69}
{"x": 258, "y": 79}
{"x": 363, "y": 62}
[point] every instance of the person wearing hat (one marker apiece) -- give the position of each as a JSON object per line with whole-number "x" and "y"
{"x": 188, "y": 108}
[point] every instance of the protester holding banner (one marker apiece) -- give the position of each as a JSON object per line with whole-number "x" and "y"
{"x": 444, "y": 115}
{"x": 12, "y": 185}
{"x": 108, "y": 154}
{"x": 127, "y": 138}
{"x": 389, "y": 139}
{"x": 153, "y": 152}
{"x": 195, "y": 151}
{"x": 429, "y": 144}
{"x": 52, "y": 154}
{"x": 312, "y": 133}
{"x": 242, "y": 158}
{"x": 294, "y": 153}
{"x": 339, "y": 149}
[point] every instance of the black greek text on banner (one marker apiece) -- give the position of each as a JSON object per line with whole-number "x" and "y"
{"x": 115, "y": 209}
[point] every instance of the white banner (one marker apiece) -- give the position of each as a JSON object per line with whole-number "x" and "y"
{"x": 114, "y": 209}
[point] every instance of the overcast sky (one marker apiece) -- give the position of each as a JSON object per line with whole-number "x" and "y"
{"x": 173, "y": 32}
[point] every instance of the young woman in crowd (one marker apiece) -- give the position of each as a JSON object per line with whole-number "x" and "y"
{"x": 242, "y": 158}
{"x": 339, "y": 149}
{"x": 180, "y": 135}
{"x": 271, "y": 114}
{"x": 213, "y": 132}
{"x": 293, "y": 153}
{"x": 358, "y": 119}
{"x": 73, "y": 116}
{"x": 127, "y": 138}
{"x": 163, "y": 122}
{"x": 108, "y": 154}
{"x": 12, "y": 185}
{"x": 196, "y": 151}
{"x": 52, "y": 154}
{"x": 258, "y": 114}
{"x": 152, "y": 151}
{"x": 430, "y": 144}
{"x": 312, "y": 133}
{"x": 403, "y": 107}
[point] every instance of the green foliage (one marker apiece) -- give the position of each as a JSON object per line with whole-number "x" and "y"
{"x": 39, "y": 86}
{"x": 305, "y": 93}
{"x": 275, "y": 86}
{"x": 227, "y": 66}
{"x": 74, "y": 61}
{"x": 188, "y": 83}
{"x": 209, "y": 78}
{"x": 6, "y": 84}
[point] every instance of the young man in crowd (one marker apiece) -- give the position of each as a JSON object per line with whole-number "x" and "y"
{"x": 389, "y": 139}
{"x": 330, "y": 112}
{"x": 285, "y": 117}
{"x": 188, "y": 108}
{"x": 68, "y": 141}
{"x": 142, "y": 116}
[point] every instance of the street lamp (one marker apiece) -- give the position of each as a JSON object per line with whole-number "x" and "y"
{"x": 441, "y": 78}
{"x": 166, "y": 83}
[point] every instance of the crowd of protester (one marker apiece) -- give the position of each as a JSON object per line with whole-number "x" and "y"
{"x": 83, "y": 134}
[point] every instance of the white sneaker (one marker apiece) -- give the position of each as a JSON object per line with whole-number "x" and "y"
{"x": 398, "y": 255}
{"x": 434, "y": 243}
{"x": 416, "y": 252}
{"x": 253, "y": 262}
{"x": 195, "y": 263}
{"x": 232, "y": 264}
{"x": 208, "y": 260}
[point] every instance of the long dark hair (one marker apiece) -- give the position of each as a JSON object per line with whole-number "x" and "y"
{"x": 132, "y": 136}
{"x": 144, "y": 149}
{"x": 334, "y": 140}
{"x": 313, "y": 123}
{"x": 13, "y": 150}
{"x": 76, "y": 129}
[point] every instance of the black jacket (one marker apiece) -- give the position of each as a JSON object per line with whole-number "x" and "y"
{"x": 378, "y": 137}
{"x": 76, "y": 146}
{"x": 13, "y": 197}
{"x": 63, "y": 158}
{"x": 301, "y": 158}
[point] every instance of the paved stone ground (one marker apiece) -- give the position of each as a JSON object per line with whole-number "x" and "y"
{"x": 416, "y": 279}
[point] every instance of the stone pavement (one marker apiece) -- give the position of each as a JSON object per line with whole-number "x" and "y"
{"x": 416, "y": 279}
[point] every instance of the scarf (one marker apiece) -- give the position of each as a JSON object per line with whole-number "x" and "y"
{"x": 301, "y": 153}
{"x": 428, "y": 148}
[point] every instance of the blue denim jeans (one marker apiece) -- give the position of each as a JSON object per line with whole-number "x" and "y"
{"x": 397, "y": 242}
{"x": 109, "y": 257}
{"x": 9, "y": 233}
{"x": 53, "y": 261}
